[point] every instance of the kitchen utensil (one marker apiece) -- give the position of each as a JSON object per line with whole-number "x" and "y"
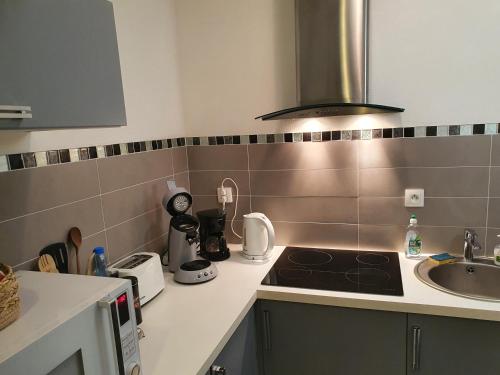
{"x": 213, "y": 244}
{"x": 46, "y": 264}
{"x": 90, "y": 264}
{"x": 258, "y": 236}
{"x": 75, "y": 238}
{"x": 59, "y": 253}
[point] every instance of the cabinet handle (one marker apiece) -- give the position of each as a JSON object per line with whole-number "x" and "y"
{"x": 415, "y": 364}
{"x": 267, "y": 332}
{"x": 15, "y": 111}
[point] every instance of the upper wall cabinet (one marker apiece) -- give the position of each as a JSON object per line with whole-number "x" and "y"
{"x": 59, "y": 65}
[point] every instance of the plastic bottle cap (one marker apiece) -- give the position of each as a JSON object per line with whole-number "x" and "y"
{"x": 99, "y": 250}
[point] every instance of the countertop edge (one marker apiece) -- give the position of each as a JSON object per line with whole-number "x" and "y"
{"x": 403, "y": 307}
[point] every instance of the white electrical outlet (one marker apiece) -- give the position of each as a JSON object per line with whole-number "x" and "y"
{"x": 414, "y": 198}
{"x": 225, "y": 195}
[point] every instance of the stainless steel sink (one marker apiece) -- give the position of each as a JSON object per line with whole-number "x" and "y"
{"x": 479, "y": 279}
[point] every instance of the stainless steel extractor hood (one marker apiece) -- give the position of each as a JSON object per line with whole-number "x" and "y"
{"x": 332, "y": 61}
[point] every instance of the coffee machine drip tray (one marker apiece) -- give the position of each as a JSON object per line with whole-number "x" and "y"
{"x": 337, "y": 270}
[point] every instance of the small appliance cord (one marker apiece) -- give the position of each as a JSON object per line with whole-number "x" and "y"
{"x": 235, "y": 205}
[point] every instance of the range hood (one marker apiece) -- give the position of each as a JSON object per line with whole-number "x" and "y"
{"x": 332, "y": 61}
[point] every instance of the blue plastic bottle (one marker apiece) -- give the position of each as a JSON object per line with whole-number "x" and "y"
{"x": 100, "y": 262}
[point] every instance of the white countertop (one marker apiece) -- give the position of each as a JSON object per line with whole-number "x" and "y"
{"x": 187, "y": 326}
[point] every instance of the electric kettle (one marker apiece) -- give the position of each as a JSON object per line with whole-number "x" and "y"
{"x": 258, "y": 236}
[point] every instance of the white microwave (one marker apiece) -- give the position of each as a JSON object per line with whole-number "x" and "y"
{"x": 72, "y": 325}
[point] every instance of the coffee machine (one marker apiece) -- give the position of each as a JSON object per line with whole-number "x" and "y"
{"x": 183, "y": 238}
{"x": 183, "y": 229}
{"x": 213, "y": 245}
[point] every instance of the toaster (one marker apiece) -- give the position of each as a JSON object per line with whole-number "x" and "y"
{"x": 148, "y": 270}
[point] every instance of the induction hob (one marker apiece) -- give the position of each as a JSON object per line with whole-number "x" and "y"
{"x": 375, "y": 272}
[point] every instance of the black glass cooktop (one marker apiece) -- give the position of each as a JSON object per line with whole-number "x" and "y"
{"x": 339, "y": 270}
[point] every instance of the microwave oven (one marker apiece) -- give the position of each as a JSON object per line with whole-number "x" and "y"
{"x": 72, "y": 325}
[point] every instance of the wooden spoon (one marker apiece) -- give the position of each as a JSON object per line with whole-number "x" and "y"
{"x": 46, "y": 264}
{"x": 75, "y": 237}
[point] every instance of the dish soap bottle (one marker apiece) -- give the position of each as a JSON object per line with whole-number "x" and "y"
{"x": 496, "y": 253}
{"x": 413, "y": 240}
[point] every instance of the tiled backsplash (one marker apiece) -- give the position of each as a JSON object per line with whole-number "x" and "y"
{"x": 330, "y": 194}
{"x": 115, "y": 201}
{"x": 351, "y": 194}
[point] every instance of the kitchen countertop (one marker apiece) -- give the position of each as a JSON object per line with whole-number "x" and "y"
{"x": 187, "y": 326}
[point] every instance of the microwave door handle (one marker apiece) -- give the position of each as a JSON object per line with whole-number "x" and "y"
{"x": 109, "y": 305}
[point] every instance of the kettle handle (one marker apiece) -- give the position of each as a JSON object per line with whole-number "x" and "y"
{"x": 270, "y": 232}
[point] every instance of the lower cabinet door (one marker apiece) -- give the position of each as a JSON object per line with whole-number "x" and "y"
{"x": 452, "y": 346}
{"x": 304, "y": 339}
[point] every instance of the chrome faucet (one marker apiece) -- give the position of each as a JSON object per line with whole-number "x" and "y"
{"x": 471, "y": 244}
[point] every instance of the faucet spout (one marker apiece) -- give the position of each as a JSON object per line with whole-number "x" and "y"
{"x": 471, "y": 244}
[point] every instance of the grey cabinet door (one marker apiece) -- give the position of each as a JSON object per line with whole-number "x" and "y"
{"x": 300, "y": 339}
{"x": 452, "y": 346}
{"x": 61, "y": 58}
{"x": 239, "y": 356}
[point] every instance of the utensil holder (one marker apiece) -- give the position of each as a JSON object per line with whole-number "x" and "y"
{"x": 10, "y": 306}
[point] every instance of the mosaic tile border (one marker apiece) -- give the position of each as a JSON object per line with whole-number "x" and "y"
{"x": 51, "y": 157}
{"x": 44, "y": 158}
{"x": 348, "y": 135}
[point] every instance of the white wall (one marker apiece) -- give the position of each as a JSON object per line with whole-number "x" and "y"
{"x": 437, "y": 59}
{"x": 148, "y": 56}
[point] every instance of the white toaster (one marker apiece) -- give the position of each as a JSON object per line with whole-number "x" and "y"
{"x": 148, "y": 270}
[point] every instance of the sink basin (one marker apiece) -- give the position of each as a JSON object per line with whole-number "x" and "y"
{"x": 478, "y": 280}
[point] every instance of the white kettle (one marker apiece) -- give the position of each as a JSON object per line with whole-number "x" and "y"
{"x": 258, "y": 236}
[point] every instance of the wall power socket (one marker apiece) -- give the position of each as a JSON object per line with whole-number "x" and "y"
{"x": 225, "y": 194}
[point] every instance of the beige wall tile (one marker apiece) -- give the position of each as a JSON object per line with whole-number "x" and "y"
{"x": 119, "y": 172}
{"x": 206, "y": 182}
{"x": 133, "y": 234}
{"x": 435, "y": 239}
{"x": 338, "y": 236}
{"x": 495, "y": 154}
{"x": 158, "y": 245}
{"x": 308, "y": 209}
{"x": 180, "y": 159}
{"x": 460, "y": 212}
{"x": 35, "y": 189}
{"x": 223, "y": 157}
{"x": 437, "y": 182}
{"x": 127, "y": 203}
{"x": 330, "y": 182}
{"x": 425, "y": 152}
{"x": 491, "y": 241}
{"x": 182, "y": 180}
{"x": 21, "y": 239}
{"x": 494, "y": 213}
{"x": 324, "y": 155}
{"x": 495, "y": 182}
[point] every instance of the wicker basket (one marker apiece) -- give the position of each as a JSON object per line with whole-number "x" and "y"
{"x": 10, "y": 308}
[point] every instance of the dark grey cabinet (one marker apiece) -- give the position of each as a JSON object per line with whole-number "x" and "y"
{"x": 239, "y": 356}
{"x": 60, "y": 57}
{"x": 299, "y": 339}
{"x": 452, "y": 346}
